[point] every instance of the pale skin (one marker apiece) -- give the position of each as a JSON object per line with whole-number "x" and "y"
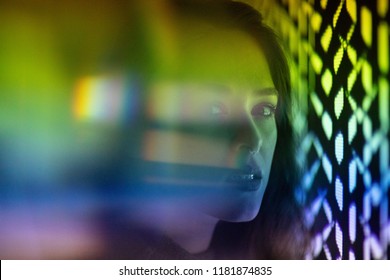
{"x": 225, "y": 73}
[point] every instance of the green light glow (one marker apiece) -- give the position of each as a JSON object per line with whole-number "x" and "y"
{"x": 351, "y": 8}
{"x": 382, "y": 7}
{"x": 339, "y": 147}
{"x": 367, "y": 76}
{"x": 352, "y": 79}
{"x": 339, "y": 103}
{"x": 316, "y": 62}
{"x": 366, "y": 28}
{"x": 383, "y": 47}
{"x": 337, "y": 59}
{"x": 316, "y": 21}
{"x": 316, "y": 104}
{"x": 327, "y": 81}
{"x": 384, "y": 104}
{"x": 352, "y": 55}
{"x": 352, "y": 128}
{"x": 337, "y": 13}
{"x": 327, "y": 125}
{"x": 326, "y": 38}
{"x": 367, "y": 128}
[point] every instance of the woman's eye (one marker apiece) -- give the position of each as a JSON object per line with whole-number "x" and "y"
{"x": 263, "y": 110}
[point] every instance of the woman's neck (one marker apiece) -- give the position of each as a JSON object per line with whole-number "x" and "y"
{"x": 192, "y": 231}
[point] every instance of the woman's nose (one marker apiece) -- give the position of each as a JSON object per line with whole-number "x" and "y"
{"x": 247, "y": 139}
{"x": 245, "y": 146}
{"x": 247, "y": 136}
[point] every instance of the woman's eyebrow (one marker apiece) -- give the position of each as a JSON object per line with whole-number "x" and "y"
{"x": 267, "y": 91}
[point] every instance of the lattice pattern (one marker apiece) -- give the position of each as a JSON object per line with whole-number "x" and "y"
{"x": 340, "y": 63}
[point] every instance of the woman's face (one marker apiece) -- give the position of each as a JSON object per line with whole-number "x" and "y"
{"x": 211, "y": 114}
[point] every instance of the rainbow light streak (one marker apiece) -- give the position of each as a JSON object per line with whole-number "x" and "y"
{"x": 105, "y": 99}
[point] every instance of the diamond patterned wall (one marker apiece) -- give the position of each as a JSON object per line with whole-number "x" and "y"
{"x": 340, "y": 64}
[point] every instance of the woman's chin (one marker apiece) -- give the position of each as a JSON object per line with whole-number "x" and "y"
{"x": 240, "y": 214}
{"x": 236, "y": 206}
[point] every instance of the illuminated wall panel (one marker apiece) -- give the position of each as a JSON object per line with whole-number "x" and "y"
{"x": 340, "y": 64}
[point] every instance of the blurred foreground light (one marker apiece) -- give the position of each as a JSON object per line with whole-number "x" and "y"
{"x": 106, "y": 99}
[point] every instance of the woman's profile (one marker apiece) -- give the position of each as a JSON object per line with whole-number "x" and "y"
{"x": 215, "y": 175}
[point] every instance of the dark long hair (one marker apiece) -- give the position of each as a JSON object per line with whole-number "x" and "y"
{"x": 278, "y": 231}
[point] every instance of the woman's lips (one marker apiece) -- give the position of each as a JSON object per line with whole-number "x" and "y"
{"x": 244, "y": 177}
{"x": 198, "y": 177}
{"x": 246, "y": 181}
